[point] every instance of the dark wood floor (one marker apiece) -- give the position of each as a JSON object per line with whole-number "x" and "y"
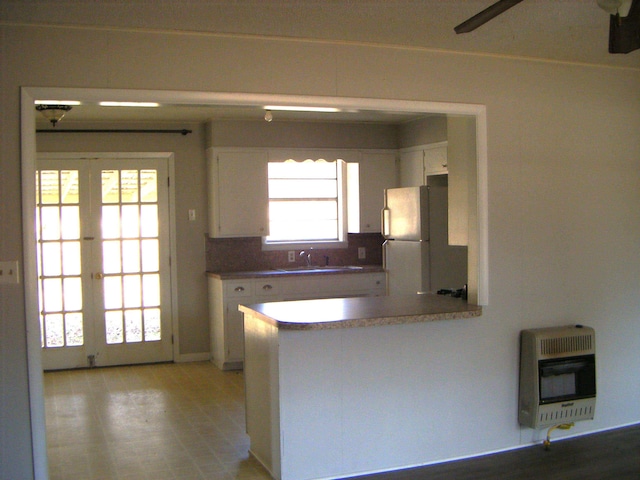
{"x": 613, "y": 454}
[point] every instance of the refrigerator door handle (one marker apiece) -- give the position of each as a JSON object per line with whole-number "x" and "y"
{"x": 386, "y": 219}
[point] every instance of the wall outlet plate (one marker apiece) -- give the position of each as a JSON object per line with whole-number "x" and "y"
{"x": 9, "y": 273}
{"x": 291, "y": 256}
{"x": 362, "y": 253}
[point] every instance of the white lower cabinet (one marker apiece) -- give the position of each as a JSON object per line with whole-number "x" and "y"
{"x": 226, "y": 322}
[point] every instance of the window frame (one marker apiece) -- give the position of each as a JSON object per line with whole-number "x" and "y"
{"x": 341, "y": 170}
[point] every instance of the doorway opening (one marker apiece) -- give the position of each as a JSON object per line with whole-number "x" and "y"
{"x": 478, "y": 243}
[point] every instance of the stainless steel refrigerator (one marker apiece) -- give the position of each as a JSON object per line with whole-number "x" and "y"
{"x": 417, "y": 254}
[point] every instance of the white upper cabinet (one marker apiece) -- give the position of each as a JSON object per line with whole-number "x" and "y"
{"x": 238, "y": 189}
{"x": 418, "y": 163}
{"x": 377, "y": 171}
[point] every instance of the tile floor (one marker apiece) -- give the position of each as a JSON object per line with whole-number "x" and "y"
{"x": 169, "y": 421}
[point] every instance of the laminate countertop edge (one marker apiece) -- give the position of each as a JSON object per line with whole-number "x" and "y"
{"x": 283, "y": 272}
{"x": 332, "y": 313}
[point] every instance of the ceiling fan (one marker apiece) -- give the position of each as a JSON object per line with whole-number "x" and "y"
{"x": 624, "y": 22}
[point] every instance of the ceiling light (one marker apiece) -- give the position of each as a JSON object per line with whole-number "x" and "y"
{"x": 292, "y": 108}
{"x": 57, "y": 102}
{"x": 616, "y": 7}
{"x": 53, "y": 113}
{"x": 129, "y": 104}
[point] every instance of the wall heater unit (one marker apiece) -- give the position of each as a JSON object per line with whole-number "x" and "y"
{"x": 557, "y": 376}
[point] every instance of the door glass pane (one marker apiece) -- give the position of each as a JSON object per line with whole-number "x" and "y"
{"x": 131, "y": 256}
{"x": 151, "y": 324}
{"x": 110, "y": 186}
{"x": 51, "y": 262}
{"x": 129, "y": 186}
{"x": 50, "y": 223}
{"x": 111, "y": 257}
{"x": 110, "y": 221}
{"x": 133, "y": 325}
{"x": 112, "y": 286}
{"x": 74, "y": 329}
{"x": 70, "y": 219}
{"x": 72, "y": 293}
{"x": 130, "y": 221}
{"x": 113, "y": 323}
{"x": 54, "y": 330}
{"x": 132, "y": 291}
{"x": 151, "y": 290}
{"x": 70, "y": 192}
{"x": 149, "y": 221}
{"x": 150, "y": 256}
{"x": 71, "y": 258}
{"x": 49, "y": 187}
{"x": 148, "y": 186}
{"x": 52, "y": 288}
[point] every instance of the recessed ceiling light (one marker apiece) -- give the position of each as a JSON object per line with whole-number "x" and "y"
{"x": 57, "y": 102}
{"x": 129, "y": 104}
{"x": 292, "y": 108}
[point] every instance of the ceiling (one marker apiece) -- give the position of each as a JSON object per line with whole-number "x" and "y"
{"x": 570, "y": 31}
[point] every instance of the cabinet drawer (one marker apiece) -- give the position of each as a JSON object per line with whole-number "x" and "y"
{"x": 266, "y": 288}
{"x": 238, "y": 289}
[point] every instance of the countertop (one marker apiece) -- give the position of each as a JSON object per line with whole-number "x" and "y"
{"x": 361, "y": 311}
{"x": 284, "y": 272}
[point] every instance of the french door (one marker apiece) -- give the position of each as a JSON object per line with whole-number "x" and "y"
{"x": 103, "y": 261}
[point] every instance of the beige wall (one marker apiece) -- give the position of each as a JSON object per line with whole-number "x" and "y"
{"x": 563, "y": 184}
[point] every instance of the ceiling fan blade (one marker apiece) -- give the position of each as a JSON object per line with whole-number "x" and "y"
{"x": 624, "y": 32}
{"x": 485, "y": 15}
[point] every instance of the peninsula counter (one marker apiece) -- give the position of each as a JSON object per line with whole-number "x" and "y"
{"x": 333, "y": 386}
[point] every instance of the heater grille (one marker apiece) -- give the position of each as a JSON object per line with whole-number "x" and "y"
{"x": 558, "y": 414}
{"x": 557, "y": 345}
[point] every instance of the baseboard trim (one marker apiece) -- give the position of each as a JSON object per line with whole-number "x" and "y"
{"x": 193, "y": 357}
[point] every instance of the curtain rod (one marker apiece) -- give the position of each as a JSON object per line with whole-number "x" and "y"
{"x": 184, "y": 131}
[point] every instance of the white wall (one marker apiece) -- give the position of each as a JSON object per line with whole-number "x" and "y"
{"x": 564, "y": 190}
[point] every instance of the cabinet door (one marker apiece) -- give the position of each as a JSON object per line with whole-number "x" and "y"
{"x": 239, "y": 193}
{"x": 435, "y": 160}
{"x": 234, "y": 330}
{"x": 412, "y": 168}
{"x": 377, "y": 171}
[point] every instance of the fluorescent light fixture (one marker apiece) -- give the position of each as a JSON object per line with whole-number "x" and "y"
{"x": 284, "y": 108}
{"x": 57, "y": 102}
{"x": 129, "y": 104}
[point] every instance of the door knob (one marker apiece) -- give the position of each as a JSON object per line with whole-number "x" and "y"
{"x": 98, "y": 276}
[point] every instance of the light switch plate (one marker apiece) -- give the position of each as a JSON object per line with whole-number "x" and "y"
{"x": 9, "y": 273}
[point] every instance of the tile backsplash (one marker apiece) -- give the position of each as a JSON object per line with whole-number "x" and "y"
{"x": 246, "y": 254}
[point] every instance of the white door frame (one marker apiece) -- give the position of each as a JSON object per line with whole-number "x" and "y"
{"x": 29, "y": 153}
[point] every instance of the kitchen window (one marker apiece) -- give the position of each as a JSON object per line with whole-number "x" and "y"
{"x": 307, "y": 203}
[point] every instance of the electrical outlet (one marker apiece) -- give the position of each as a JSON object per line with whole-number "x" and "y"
{"x": 9, "y": 272}
{"x": 192, "y": 215}
{"x": 291, "y": 256}
{"x": 362, "y": 253}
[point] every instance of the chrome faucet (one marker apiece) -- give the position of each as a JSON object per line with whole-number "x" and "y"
{"x": 308, "y": 258}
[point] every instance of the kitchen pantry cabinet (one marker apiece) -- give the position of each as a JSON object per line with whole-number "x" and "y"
{"x": 377, "y": 171}
{"x": 418, "y": 163}
{"x": 226, "y": 322}
{"x": 238, "y": 192}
